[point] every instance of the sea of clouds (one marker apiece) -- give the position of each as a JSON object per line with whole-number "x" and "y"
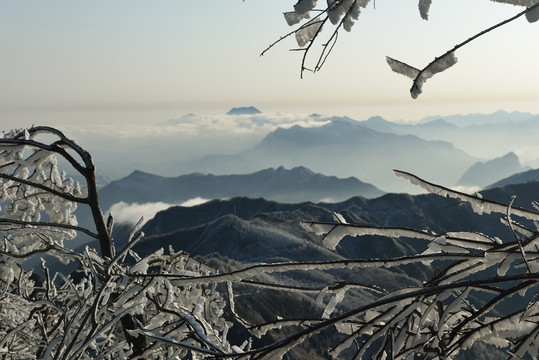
{"x": 118, "y": 149}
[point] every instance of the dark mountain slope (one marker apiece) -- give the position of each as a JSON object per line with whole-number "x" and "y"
{"x": 521, "y": 177}
{"x": 207, "y": 227}
{"x": 295, "y": 185}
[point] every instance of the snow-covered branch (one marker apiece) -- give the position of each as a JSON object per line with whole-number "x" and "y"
{"x": 342, "y": 14}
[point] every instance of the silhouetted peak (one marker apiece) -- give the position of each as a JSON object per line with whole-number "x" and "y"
{"x": 510, "y": 156}
{"x": 488, "y": 172}
{"x": 138, "y": 173}
{"x": 302, "y": 170}
{"x": 245, "y": 110}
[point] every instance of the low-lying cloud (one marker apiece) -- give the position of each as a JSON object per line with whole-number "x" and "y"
{"x": 201, "y": 126}
{"x": 131, "y": 213}
{"x": 118, "y": 149}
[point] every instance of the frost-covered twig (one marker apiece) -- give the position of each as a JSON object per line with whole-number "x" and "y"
{"x": 517, "y": 238}
{"x": 446, "y": 60}
{"x": 343, "y": 14}
{"x": 478, "y": 204}
{"x": 253, "y": 270}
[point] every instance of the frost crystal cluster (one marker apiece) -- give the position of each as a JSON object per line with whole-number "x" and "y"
{"x": 113, "y": 306}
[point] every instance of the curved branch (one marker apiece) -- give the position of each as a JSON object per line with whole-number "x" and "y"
{"x": 323, "y": 55}
{"x": 420, "y": 75}
{"x": 315, "y": 290}
{"x": 47, "y": 249}
{"x": 88, "y": 171}
{"x": 478, "y": 204}
{"x": 247, "y": 272}
{"x": 49, "y": 224}
{"x": 56, "y": 147}
{"x": 46, "y": 189}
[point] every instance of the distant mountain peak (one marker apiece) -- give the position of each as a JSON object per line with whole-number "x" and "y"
{"x": 245, "y": 110}
{"x": 510, "y": 155}
{"x": 488, "y": 172}
{"x": 139, "y": 173}
{"x": 301, "y": 169}
{"x": 300, "y": 173}
{"x": 343, "y": 120}
{"x": 376, "y": 119}
{"x": 440, "y": 122}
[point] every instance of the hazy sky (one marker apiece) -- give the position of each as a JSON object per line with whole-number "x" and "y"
{"x": 131, "y": 61}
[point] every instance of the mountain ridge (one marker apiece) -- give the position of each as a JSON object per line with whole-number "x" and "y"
{"x": 518, "y": 178}
{"x": 296, "y": 184}
{"x": 483, "y": 173}
{"x": 344, "y": 147}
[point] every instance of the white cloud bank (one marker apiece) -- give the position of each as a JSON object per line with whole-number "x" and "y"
{"x": 189, "y": 125}
{"x": 120, "y": 148}
{"x": 126, "y": 213}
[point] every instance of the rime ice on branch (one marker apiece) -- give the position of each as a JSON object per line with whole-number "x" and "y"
{"x": 342, "y": 14}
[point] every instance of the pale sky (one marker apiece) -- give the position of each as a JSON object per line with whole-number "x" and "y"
{"x": 135, "y": 62}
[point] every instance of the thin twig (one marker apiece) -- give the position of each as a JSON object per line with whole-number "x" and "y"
{"x": 522, "y": 252}
{"x": 458, "y": 46}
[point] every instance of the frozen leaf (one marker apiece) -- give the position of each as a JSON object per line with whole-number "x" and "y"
{"x": 335, "y": 299}
{"x": 307, "y": 32}
{"x": 337, "y": 8}
{"x": 339, "y": 218}
{"x": 293, "y": 18}
{"x": 303, "y": 7}
{"x": 421, "y": 76}
{"x": 402, "y": 68}
{"x": 533, "y": 15}
{"x": 526, "y": 3}
{"x": 351, "y": 16}
{"x": 345, "y": 11}
{"x": 424, "y": 6}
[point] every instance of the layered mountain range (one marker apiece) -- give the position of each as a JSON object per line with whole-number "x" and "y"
{"x": 453, "y": 150}
{"x": 344, "y": 147}
{"x": 280, "y": 184}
